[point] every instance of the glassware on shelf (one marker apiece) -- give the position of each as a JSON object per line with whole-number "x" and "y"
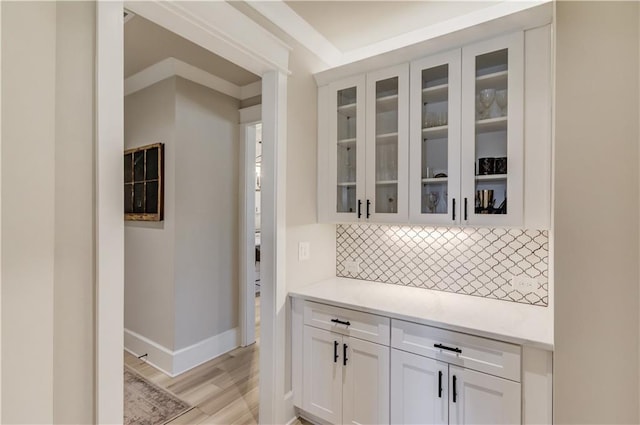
{"x": 487, "y": 97}
{"x": 480, "y": 108}
{"x": 501, "y": 100}
{"x": 432, "y": 201}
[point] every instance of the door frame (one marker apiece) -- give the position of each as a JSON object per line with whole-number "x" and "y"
{"x": 225, "y": 31}
{"x": 249, "y": 118}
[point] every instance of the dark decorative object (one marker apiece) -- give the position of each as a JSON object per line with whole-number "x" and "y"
{"x": 143, "y": 183}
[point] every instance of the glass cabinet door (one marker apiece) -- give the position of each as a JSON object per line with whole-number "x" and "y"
{"x": 493, "y": 131}
{"x": 435, "y": 139}
{"x": 387, "y": 144}
{"x": 347, "y": 154}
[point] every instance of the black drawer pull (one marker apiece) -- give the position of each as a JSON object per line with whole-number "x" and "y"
{"x": 344, "y": 354}
{"x": 359, "y": 208}
{"x": 444, "y": 347}
{"x": 453, "y": 210}
{"x": 455, "y": 390}
{"x": 439, "y": 384}
{"x": 335, "y": 351}
{"x": 347, "y": 323}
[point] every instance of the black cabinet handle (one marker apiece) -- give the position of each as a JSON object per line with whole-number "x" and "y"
{"x": 465, "y": 210}
{"x": 439, "y": 384}
{"x": 453, "y": 210}
{"x": 455, "y": 392}
{"x": 444, "y": 347}
{"x": 344, "y": 354}
{"x": 368, "y": 205}
{"x": 335, "y": 351}
{"x": 359, "y": 208}
{"x": 347, "y": 323}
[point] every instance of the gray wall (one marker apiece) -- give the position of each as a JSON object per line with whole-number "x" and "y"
{"x": 596, "y": 213}
{"x": 181, "y": 275}
{"x": 206, "y": 243}
{"x": 47, "y": 212}
{"x": 149, "y": 266}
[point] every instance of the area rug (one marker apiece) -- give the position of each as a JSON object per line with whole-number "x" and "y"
{"x": 147, "y": 404}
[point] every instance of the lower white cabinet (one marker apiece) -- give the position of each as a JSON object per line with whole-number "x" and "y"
{"x": 345, "y": 379}
{"x": 427, "y": 391}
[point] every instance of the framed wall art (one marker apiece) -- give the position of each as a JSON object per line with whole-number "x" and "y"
{"x": 144, "y": 183}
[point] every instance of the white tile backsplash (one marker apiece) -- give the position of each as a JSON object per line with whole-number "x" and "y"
{"x": 472, "y": 261}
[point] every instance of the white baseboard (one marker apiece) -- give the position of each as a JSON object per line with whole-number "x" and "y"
{"x": 205, "y": 350}
{"x": 158, "y": 356}
{"x": 174, "y": 363}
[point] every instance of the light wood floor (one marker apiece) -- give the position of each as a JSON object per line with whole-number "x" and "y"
{"x": 221, "y": 391}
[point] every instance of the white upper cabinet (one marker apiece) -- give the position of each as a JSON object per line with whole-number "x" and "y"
{"x": 442, "y": 140}
{"x": 434, "y": 164}
{"x": 387, "y": 134}
{"x": 492, "y": 132}
{"x": 346, "y": 150}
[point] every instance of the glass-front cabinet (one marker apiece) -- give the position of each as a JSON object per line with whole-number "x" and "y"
{"x": 347, "y": 148}
{"x": 387, "y": 145}
{"x": 492, "y": 131}
{"x": 435, "y": 139}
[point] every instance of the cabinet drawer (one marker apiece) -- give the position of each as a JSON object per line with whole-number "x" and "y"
{"x": 481, "y": 354}
{"x": 369, "y": 327}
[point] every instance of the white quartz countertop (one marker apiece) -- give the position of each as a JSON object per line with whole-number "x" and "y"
{"x": 502, "y": 320}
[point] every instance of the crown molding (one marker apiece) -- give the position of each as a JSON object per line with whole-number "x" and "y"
{"x": 170, "y": 67}
{"x": 219, "y": 27}
{"x": 294, "y": 25}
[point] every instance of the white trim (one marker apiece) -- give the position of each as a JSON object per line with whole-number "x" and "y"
{"x": 109, "y": 303}
{"x": 285, "y": 18}
{"x": 439, "y": 29}
{"x": 220, "y": 28}
{"x": 247, "y": 293}
{"x": 174, "y": 363}
{"x": 0, "y": 215}
{"x": 251, "y": 114}
{"x": 158, "y": 356}
{"x": 294, "y": 25}
{"x": 170, "y": 67}
{"x": 201, "y": 352}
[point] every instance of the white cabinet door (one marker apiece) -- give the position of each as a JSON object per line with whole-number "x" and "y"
{"x": 366, "y": 382}
{"x": 434, "y": 161}
{"x": 322, "y": 376}
{"x": 419, "y": 389}
{"x": 492, "y": 132}
{"x": 478, "y": 398}
{"x": 387, "y": 133}
{"x": 342, "y": 160}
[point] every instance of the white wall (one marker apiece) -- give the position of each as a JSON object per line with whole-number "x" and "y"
{"x": 48, "y": 241}
{"x": 181, "y": 274}
{"x": 28, "y": 176}
{"x": 150, "y": 247}
{"x": 74, "y": 269}
{"x": 596, "y": 213}
{"x": 207, "y": 215}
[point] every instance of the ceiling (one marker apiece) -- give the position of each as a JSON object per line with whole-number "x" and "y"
{"x": 146, "y": 44}
{"x": 352, "y": 25}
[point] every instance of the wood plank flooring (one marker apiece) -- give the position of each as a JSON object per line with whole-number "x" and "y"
{"x": 222, "y": 391}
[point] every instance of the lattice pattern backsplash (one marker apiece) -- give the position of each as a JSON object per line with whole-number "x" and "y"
{"x": 468, "y": 261}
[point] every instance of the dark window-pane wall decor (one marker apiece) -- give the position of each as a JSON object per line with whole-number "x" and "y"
{"x": 143, "y": 183}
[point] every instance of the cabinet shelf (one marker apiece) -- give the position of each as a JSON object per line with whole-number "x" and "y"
{"x": 387, "y": 103}
{"x": 351, "y": 141}
{"x": 439, "y": 132}
{"x": 348, "y": 110}
{"x": 435, "y": 180}
{"x": 490, "y": 125}
{"x": 495, "y": 80}
{"x": 387, "y": 137}
{"x": 346, "y": 184}
{"x": 386, "y": 182}
{"x": 438, "y": 93}
{"x": 491, "y": 177}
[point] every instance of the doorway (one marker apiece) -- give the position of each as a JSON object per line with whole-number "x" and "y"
{"x": 204, "y": 23}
